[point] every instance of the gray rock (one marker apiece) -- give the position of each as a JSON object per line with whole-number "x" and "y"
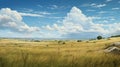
{"x": 116, "y": 44}
{"x": 113, "y": 48}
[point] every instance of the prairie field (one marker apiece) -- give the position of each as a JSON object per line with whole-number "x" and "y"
{"x": 54, "y": 53}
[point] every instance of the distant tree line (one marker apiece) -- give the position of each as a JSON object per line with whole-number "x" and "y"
{"x": 116, "y": 36}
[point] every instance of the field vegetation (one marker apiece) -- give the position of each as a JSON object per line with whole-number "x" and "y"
{"x": 56, "y": 53}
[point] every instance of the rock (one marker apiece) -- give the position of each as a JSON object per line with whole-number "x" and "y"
{"x": 113, "y": 48}
{"x": 115, "y": 44}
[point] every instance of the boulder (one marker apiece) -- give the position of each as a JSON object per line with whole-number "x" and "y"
{"x": 113, "y": 48}
{"x": 117, "y": 44}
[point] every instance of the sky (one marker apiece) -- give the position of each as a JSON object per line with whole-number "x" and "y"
{"x": 59, "y": 18}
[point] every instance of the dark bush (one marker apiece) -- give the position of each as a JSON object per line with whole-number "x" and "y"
{"x": 36, "y": 41}
{"x": 99, "y": 37}
{"x": 94, "y": 41}
{"x": 79, "y": 40}
{"x": 87, "y": 41}
{"x": 108, "y": 39}
{"x": 61, "y": 42}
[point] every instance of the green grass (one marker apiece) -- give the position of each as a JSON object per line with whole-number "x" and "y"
{"x": 15, "y": 53}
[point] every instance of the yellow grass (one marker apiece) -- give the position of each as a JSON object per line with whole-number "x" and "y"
{"x": 18, "y": 53}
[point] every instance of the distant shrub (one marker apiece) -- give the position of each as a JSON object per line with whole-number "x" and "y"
{"x": 61, "y": 42}
{"x": 36, "y": 41}
{"x": 91, "y": 39}
{"x": 15, "y": 44}
{"x": 47, "y": 46}
{"x": 99, "y": 37}
{"x": 79, "y": 40}
{"x": 108, "y": 39}
{"x": 87, "y": 41}
{"x": 94, "y": 41}
{"x": 20, "y": 46}
{"x": 55, "y": 40}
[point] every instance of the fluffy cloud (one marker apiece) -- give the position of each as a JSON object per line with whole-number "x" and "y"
{"x": 89, "y": 10}
{"x": 115, "y": 8}
{"x": 98, "y": 5}
{"x": 82, "y": 22}
{"x": 74, "y": 25}
{"x": 12, "y": 20}
{"x": 94, "y": 5}
{"x": 101, "y": 12}
{"x": 108, "y": 0}
{"x": 54, "y": 6}
{"x": 30, "y": 14}
{"x": 78, "y": 25}
{"x": 48, "y": 27}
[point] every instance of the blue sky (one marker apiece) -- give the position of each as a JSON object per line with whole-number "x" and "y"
{"x": 59, "y": 18}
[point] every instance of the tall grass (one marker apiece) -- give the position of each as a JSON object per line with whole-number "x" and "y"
{"x": 80, "y": 54}
{"x": 54, "y": 60}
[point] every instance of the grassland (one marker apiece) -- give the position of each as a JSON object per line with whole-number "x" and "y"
{"x": 17, "y": 53}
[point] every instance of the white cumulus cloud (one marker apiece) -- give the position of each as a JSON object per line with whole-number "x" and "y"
{"x": 12, "y": 20}
{"x": 74, "y": 25}
{"x": 78, "y": 25}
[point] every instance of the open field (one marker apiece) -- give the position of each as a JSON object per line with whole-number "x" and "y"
{"x": 16, "y": 53}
